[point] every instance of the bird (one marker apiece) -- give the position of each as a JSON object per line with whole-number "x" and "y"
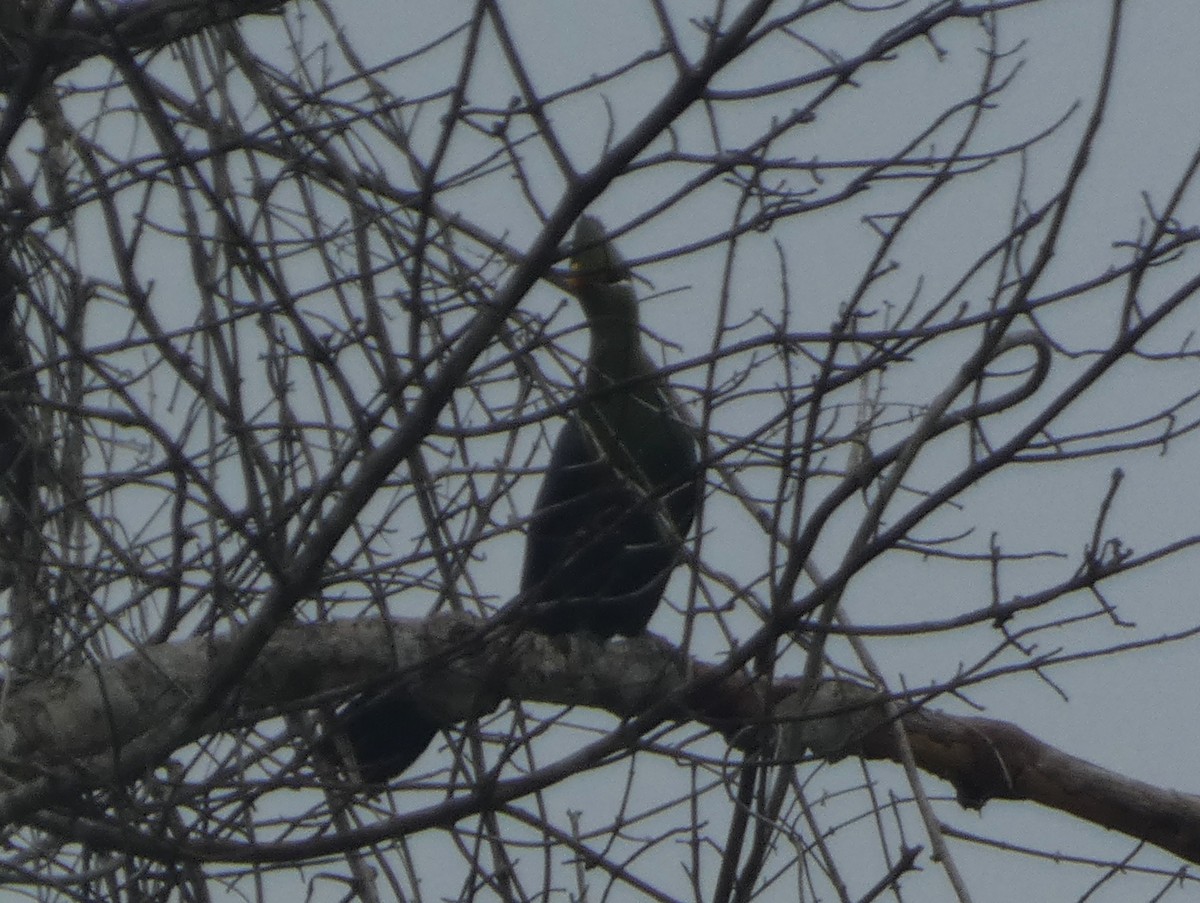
{"x": 617, "y": 499}
{"x": 624, "y": 481}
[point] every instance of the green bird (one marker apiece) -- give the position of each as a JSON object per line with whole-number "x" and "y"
{"x": 617, "y": 500}
{"x": 624, "y": 479}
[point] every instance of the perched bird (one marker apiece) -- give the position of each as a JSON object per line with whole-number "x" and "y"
{"x": 608, "y": 525}
{"x": 624, "y": 479}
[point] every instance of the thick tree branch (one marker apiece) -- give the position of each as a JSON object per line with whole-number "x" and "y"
{"x": 134, "y": 27}
{"x": 462, "y": 668}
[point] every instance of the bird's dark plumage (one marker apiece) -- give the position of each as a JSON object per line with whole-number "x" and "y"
{"x": 623, "y": 483}
{"x": 386, "y": 733}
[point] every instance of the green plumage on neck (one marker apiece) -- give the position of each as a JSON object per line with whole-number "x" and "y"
{"x": 627, "y": 403}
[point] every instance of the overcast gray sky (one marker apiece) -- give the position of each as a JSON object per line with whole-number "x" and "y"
{"x": 1136, "y": 713}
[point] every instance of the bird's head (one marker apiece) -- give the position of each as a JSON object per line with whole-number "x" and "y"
{"x": 600, "y": 278}
{"x": 593, "y": 259}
